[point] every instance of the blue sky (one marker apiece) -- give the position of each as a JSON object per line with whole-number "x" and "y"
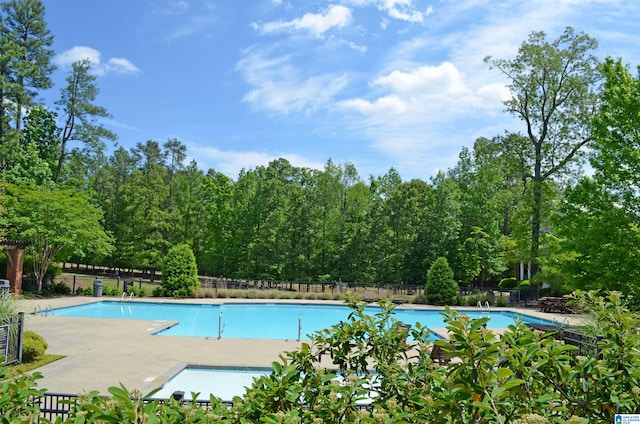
{"x": 378, "y": 83}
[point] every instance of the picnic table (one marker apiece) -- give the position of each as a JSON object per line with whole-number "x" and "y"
{"x": 553, "y": 304}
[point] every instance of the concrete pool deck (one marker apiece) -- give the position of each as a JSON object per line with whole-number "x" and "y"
{"x": 100, "y": 353}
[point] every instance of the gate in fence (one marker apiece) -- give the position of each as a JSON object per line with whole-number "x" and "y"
{"x": 11, "y": 338}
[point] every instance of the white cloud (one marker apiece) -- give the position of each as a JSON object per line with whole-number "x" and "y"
{"x": 77, "y": 53}
{"x": 418, "y": 115}
{"x": 438, "y": 90}
{"x": 120, "y": 65}
{"x": 194, "y": 25}
{"x": 231, "y": 163}
{"x": 317, "y": 24}
{"x": 114, "y": 65}
{"x": 403, "y": 10}
{"x": 168, "y": 7}
{"x": 279, "y": 86}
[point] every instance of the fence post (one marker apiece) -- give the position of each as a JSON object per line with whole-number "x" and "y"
{"x": 20, "y": 332}
{"x": 74, "y": 285}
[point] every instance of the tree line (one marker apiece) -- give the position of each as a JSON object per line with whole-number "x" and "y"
{"x": 513, "y": 198}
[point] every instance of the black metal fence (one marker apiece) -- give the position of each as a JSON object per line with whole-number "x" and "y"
{"x": 11, "y": 329}
{"x": 587, "y": 345}
{"x": 59, "y": 405}
{"x": 306, "y": 286}
{"x": 55, "y": 405}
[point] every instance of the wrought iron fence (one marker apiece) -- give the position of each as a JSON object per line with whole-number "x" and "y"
{"x": 11, "y": 338}
{"x": 587, "y": 345}
{"x": 59, "y": 405}
{"x": 55, "y": 405}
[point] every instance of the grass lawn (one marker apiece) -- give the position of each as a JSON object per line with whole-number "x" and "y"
{"x": 19, "y": 369}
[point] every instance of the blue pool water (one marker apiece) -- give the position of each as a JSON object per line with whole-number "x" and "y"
{"x": 224, "y": 383}
{"x": 262, "y": 320}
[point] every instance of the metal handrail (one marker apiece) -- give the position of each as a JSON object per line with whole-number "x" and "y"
{"x": 221, "y": 326}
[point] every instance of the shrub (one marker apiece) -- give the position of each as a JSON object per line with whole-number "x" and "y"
{"x": 180, "y": 272}
{"x": 17, "y": 395}
{"x": 33, "y": 346}
{"x": 524, "y": 284}
{"x": 473, "y": 300}
{"x": 420, "y": 299}
{"x": 59, "y": 288}
{"x": 441, "y": 288}
{"x": 508, "y": 283}
{"x": 158, "y": 291}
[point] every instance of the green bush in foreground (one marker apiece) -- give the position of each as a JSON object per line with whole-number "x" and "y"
{"x": 522, "y": 377}
{"x": 33, "y": 346}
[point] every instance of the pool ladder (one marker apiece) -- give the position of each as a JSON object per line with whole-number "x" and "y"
{"x": 484, "y": 307}
{"x": 124, "y": 297}
{"x": 221, "y": 325}
{"x": 37, "y": 310}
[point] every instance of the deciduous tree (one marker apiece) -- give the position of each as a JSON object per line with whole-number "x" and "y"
{"x": 554, "y": 93}
{"x": 598, "y": 224}
{"x": 57, "y": 224}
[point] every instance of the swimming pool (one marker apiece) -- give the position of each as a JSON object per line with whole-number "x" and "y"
{"x": 262, "y": 320}
{"x": 222, "y": 382}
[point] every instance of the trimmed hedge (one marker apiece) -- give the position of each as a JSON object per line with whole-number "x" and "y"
{"x": 33, "y": 346}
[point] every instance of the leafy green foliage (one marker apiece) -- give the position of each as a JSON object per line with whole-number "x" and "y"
{"x": 508, "y": 283}
{"x": 522, "y": 376}
{"x": 57, "y": 223}
{"x": 16, "y": 398}
{"x": 553, "y": 86}
{"x": 441, "y": 288}
{"x": 597, "y": 234}
{"x": 57, "y": 289}
{"x": 33, "y": 346}
{"x": 180, "y": 272}
{"x": 8, "y": 305}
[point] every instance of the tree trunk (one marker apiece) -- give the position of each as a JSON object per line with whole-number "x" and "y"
{"x": 537, "y": 211}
